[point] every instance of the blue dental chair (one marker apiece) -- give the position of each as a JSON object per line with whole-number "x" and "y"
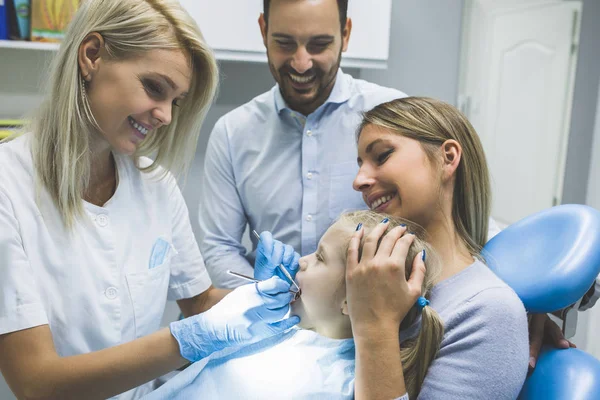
{"x": 552, "y": 260}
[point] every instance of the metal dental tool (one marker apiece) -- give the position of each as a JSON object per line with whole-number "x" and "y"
{"x": 281, "y": 267}
{"x": 230, "y": 272}
{"x": 248, "y": 278}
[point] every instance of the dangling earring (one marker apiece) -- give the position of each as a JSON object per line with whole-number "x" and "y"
{"x": 82, "y": 84}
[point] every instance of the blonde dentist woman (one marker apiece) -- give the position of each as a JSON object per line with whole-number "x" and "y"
{"x": 94, "y": 235}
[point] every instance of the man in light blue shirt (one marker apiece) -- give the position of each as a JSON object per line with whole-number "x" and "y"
{"x": 285, "y": 161}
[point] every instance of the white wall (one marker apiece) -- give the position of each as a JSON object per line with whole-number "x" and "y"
{"x": 582, "y": 174}
{"x": 589, "y": 322}
{"x": 593, "y": 192}
{"x": 424, "y": 49}
{"x": 585, "y": 98}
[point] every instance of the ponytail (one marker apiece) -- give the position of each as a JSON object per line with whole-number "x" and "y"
{"x": 417, "y": 354}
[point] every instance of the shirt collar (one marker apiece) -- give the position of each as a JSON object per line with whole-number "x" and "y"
{"x": 339, "y": 94}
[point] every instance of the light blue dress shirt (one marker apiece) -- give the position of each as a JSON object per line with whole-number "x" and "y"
{"x": 280, "y": 171}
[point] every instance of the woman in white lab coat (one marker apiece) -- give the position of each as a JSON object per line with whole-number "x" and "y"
{"x": 95, "y": 236}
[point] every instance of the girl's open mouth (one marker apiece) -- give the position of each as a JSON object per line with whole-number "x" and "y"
{"x": 297, "y": 295}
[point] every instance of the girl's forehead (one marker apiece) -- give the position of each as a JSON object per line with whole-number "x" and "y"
{"x": 337, "y": 235}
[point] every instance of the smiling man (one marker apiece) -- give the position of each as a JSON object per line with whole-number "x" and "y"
{"x": 285, "y": 161}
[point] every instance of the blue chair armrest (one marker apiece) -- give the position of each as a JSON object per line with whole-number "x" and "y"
{"x": 563, "y": 374}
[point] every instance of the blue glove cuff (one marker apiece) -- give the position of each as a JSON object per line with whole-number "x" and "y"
{"x": 191, "y": 340}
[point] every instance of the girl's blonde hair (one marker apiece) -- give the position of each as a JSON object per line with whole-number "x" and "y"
{"x": 416, "y": 353}
{"x": 64, "y": 123}
{"x": 432, "y": 122}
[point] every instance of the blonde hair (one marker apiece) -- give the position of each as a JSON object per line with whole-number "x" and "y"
{"x": 432, "y": 122}
{"x": 64, "y": 123}
{"x": 416, "y": 353}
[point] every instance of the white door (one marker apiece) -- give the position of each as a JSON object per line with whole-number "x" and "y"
{"x": 517, "y": 74}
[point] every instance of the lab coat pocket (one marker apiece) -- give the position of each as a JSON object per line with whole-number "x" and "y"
{"x": 342, "y": 197}
{"x": 148, "y": 290}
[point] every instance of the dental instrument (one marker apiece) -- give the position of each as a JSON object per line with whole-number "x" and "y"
{"x": 248, "y": 278}
{"x": 230, "y": 272}
{"x": 281, "y": 267}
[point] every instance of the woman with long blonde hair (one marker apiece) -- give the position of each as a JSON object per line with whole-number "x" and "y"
{"x": 95, "y": 234}
{"x": 421, "y": 159}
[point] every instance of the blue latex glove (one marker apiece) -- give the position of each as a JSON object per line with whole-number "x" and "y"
{"x": 247, "y": 315}
{"x": 269, "y": 254}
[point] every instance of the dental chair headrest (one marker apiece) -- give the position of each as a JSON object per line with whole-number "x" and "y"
{"x": 550, "y": 258}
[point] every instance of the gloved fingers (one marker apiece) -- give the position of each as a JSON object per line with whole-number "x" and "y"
{"x": 263, "y": 267}
{"x": 284, "y": 324}
{"x": 276, "y": 301}
{"x": 554, "y": 335}
{"x": 536, "y": 337}
{"x": 273, "y": 286}
{"x": 294, "y": 265}
{"x": 277, "y": 254}
{"x": 290, "y": 262}
{"x": 265, "y": 244}
{"x": 275, "y": 314}
{"x": 288, "y": 255}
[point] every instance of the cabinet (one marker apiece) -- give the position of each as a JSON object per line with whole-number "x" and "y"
{"x": 231, "y": 28}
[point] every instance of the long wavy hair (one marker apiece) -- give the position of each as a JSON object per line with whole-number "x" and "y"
{"x": 432, "y": 122}
{"x": 416, "y": 353}
{"x": 64, "y": 123}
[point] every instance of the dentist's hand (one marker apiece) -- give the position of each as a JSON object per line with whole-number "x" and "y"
{"x": 247, "y": 315}
{"x": 269, "y": 254}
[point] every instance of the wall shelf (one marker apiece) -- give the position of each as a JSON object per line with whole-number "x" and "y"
{"x": 25, "y": 45}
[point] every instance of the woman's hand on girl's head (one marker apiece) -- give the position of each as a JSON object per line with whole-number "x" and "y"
{"x": 379, "y": 295}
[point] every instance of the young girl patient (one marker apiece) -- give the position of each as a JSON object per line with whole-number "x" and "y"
{"x": 317, "y": 360}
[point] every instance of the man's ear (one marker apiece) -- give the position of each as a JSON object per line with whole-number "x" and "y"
{"x": 451, "y": 155}
{"x": 346, "y": 34}
{"x": 345, "y": 307}
{"x": 263, "y": 28}
{"x": 88, "y": 56}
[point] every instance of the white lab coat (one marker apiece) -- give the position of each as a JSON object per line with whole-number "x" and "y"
{"x": 93, "y": 286}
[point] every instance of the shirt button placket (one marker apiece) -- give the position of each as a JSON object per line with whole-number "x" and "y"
{"x": 310, "y": 155}
{"x": 111, "y": 292}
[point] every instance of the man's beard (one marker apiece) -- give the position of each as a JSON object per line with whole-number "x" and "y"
{"x": 293, "y": 98}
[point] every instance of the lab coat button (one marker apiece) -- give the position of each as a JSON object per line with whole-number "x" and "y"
{"x": 309, "y": 217}
{"x": 309, "y": 175}
{"x": 309, "y": 133}
{"x": 102, "y": 219}
{"x": 111, "y": 293}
